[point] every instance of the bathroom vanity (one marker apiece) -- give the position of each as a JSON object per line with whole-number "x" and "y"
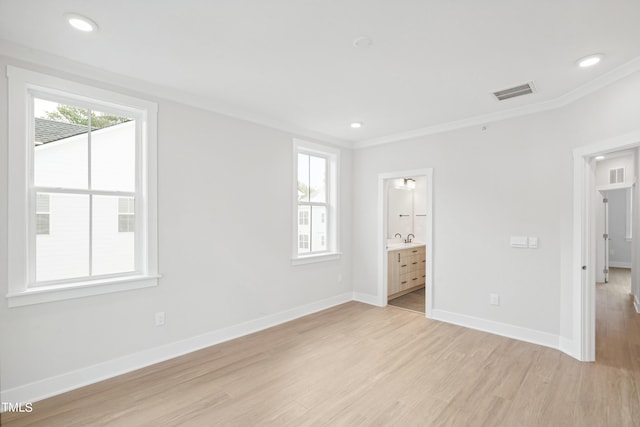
{"x": 406, "y": 269}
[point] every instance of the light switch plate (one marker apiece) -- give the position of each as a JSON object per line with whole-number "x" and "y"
{"x": 519, "y": 241}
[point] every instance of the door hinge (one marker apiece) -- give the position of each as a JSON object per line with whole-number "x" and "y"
{"x": 605, "y": 271}
{"x": 605, "y": 236}
{"x": 605, "y": 200}
{"x": 584, "y": 267}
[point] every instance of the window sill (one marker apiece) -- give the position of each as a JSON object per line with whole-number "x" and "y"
{"x": 78, "y": 290}
{"x": 310, "y": 259}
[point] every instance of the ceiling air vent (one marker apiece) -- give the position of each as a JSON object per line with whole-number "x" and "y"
{"x": 512, "y": 92}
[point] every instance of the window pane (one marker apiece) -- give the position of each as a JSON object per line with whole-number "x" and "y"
{"x": 318, "y": 178}
{"x": 113, "y": 251}
{"x": 303, "y": 178}
{"x": 64, "y": 252}
{"x": 319, "y": 228}
{"x": 60, "y": 146}
{"x": 113, "y": 152}
{"x": 42, "y": 224}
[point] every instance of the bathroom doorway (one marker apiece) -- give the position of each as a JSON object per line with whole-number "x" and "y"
{"x": 405, "y": 228}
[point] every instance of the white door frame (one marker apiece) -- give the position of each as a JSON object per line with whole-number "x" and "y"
{"x": 382, "y": 234}
{"x": 583, "y": 344}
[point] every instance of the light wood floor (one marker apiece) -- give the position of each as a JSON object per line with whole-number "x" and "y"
{"x": 361, "y": 365}
{"x": 413, "y": 301}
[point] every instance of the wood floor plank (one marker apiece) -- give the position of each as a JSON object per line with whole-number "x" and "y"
{"x": 356, "y": 364}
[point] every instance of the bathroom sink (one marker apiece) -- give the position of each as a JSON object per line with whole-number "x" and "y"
{"x": 401, "y": 245}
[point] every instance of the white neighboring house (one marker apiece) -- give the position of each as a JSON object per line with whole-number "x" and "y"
{"x": 306, "y": 241}
{"x": 62, "y": 220}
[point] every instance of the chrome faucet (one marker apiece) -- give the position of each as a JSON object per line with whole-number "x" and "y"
{"x": 408, "y": 239}
{"x": 398, "y": 235}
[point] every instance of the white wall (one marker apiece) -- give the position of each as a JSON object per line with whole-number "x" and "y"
{"x": 514, "y": 178}
{"x": 420, "y": 209}
{"x": 619, "y": 246}
{"x": 224, "y": 248}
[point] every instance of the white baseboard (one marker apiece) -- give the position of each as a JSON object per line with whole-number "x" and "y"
{"x": 81, "y": 377}
{"x": 567, "y": 346}
{"x": 510, "y": 331}
{"x": 366, "y": 298}
{"x": 619, "y": 264}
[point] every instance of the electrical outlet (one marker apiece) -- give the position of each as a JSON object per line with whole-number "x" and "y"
{"x": 494, "y": 299}
{"x": 160, "y": 318}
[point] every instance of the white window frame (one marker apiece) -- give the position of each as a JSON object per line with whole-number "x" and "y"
{"x": 23, "y": 86}
{"x": 333, "y": 213}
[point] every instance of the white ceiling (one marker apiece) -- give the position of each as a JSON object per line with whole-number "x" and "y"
{"x": 432, "y": 62}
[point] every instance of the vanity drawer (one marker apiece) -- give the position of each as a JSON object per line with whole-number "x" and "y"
{"x": 407, "y": 280}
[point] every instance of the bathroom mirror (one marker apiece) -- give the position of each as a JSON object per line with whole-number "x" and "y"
{"x": 406, "y": 207}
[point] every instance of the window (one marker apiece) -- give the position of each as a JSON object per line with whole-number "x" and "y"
{"x": 126, "y": 217}
{"x": 89, "y": 167}
{"x": 43, "y": 215}
{"x": 315, "y": 196}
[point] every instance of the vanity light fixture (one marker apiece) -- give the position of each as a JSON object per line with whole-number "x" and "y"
{"x": 589, "y": 61}
{"x": 81, "y": 23}
{"x": 356, "y": 125}
{"x": 404, "y": 184}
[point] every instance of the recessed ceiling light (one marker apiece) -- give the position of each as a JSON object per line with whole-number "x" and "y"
{"x": 589, "y": 61}
{"x": 81, "y": 23}
{"x": 599, "y": 157}
{"x": 362, "y": 42}
{"x": 356, "y": 125}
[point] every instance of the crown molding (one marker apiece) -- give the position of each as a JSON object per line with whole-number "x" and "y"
{"x": 56, "y": 65}
{"x": 559, "y": 102}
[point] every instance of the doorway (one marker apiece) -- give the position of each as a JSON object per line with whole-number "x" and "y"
{"x": 425, "y": 233}
{"x": 588, "y": 221}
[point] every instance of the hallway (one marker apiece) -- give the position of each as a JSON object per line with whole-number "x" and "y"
{"x": 617, "y": 323}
